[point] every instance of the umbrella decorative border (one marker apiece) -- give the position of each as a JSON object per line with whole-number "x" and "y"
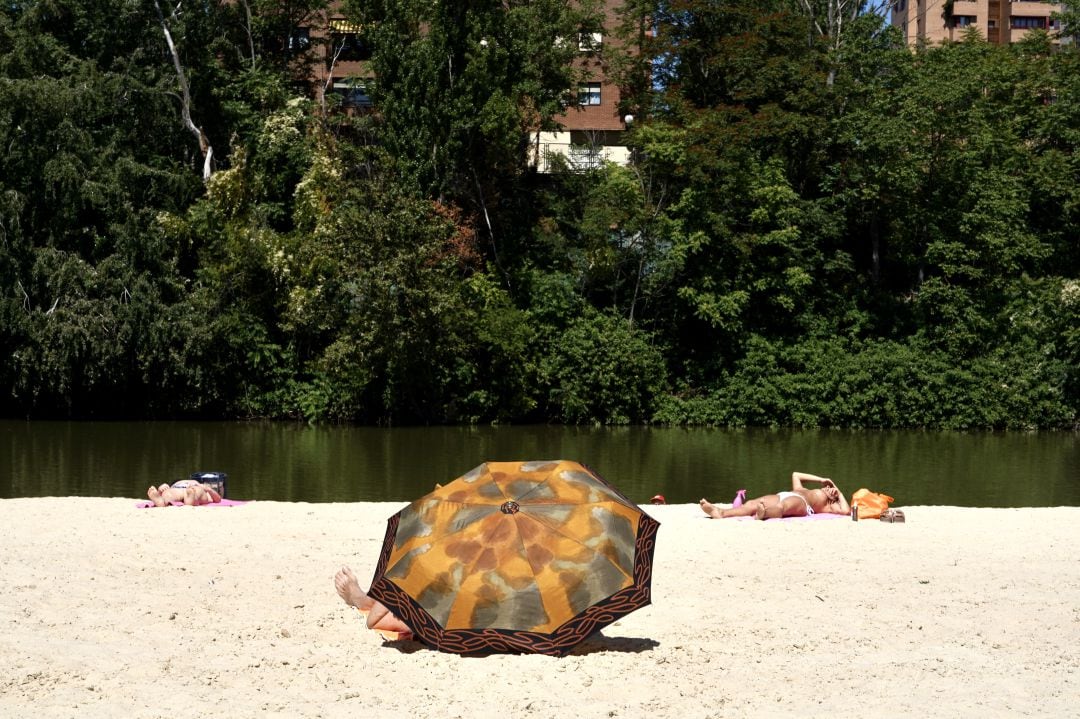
{"x": 556, "y": 643}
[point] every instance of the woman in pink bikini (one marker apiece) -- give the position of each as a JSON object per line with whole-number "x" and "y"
{"x": 799, "y": 502}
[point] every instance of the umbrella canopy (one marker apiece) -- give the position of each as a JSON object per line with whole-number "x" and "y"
{"x": 516, "y": 557}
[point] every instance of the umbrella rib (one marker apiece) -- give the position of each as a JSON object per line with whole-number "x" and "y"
{"x": 558, "y": 530}
{"x": 448, "y": 534}
{"x": 610, "y": 496}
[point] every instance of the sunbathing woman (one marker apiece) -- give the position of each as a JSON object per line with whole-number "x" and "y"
{"x": 378, "y": 616}
{"x": 799, "y": 502}
{"x": 187, "y": 491}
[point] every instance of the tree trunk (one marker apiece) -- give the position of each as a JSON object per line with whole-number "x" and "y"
{"x": 205, "y": 148}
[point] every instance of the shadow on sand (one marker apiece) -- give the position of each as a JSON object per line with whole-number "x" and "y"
{"x": 599, "y": 643}
{"x": 596, "y": 643}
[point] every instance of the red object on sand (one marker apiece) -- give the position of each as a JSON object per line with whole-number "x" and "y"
{"x": 658, "y": 499}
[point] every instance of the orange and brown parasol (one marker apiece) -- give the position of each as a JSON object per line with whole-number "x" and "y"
{"x": 516, "y": 557}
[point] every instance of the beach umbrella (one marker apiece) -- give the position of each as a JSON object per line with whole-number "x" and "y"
{"x": 516, "y": 557}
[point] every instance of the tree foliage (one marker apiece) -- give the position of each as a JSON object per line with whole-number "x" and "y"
{"x": 818, "y": 226}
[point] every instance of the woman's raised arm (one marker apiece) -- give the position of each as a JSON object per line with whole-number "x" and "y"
{"x": 797, "y": 478}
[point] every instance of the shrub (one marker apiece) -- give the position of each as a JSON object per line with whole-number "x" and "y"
{"x": 602, "y": 370}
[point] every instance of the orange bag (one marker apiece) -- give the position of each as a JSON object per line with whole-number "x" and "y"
{"x": 870, "y": 504}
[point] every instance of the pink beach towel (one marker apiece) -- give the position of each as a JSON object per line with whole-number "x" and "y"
{"x": 809, "y": 517}
{"x": 147, "y": 504}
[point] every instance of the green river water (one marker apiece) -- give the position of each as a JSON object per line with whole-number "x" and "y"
{"x": 300, "y": 463}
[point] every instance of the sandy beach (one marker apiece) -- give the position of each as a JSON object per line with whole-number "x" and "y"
{"x": 112, "y": 611}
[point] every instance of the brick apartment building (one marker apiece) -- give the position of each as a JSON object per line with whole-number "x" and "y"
{"x": 594, "y": 129}
{"x": 589, "y": 132}
{"x": 1001, "y": 22}
{"x": 343, "y": 65}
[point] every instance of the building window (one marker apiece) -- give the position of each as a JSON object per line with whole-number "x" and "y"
{"x": 350, "y": 47}
{"x": 299, "y": 39}
{"x": 901, "y": 6}
{"x": 963, "y": 20}
{"x": 590, "y": 41}
{"x": 347, "y": 41}
{"x": 1024, "y": 22}
{"x": 589, "y": 93}
{"x": 352, "y": 90}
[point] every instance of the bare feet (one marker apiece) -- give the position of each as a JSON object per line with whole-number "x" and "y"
{"x": 154, "y": 494}
{"x": 349, "y": 590}
{"x": 378, "y": 616}
{"x": 710, "y": 509}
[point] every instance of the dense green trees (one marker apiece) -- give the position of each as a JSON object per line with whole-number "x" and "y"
{"x": 91, "y": 148}
{"x": 814, "y": 230}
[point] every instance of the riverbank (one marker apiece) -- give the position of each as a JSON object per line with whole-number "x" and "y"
{"x": 112, "y": 611}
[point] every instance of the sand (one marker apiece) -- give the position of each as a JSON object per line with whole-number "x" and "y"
{"x": 112, "y": 611}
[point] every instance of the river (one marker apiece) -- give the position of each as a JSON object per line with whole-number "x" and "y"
{"x": 300, "y": 463}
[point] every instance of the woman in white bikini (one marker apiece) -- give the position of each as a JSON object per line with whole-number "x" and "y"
{"x": 799, "y": 502}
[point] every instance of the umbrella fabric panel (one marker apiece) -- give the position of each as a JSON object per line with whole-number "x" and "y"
{"x": 485, "y": 489}
{"x": 467, "y": 573}
{"x": 565, "y": 483}
{"x": 608, "y": 529}
{"x": 568, "y": 543}
{"x": 513, "y": 570}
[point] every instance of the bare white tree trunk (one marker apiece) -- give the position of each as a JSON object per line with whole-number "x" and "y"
{"x": 330, "y": 73}
{"x": 829, "y": 21}
{"x": 831, "y": 17}
{"x": 247, "y": 28}
{"x": 490, "y": 229}
{"x": 185, "y": 100}
{"x": 654, "y": 202}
